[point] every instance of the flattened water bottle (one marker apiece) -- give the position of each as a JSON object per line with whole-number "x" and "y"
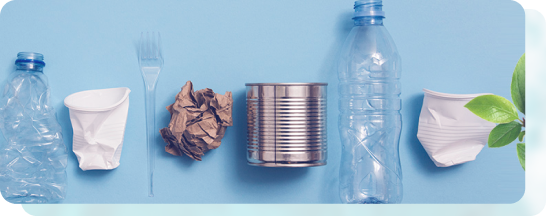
{"x": 32, "y": 156}
{"x": 369, "y": 104}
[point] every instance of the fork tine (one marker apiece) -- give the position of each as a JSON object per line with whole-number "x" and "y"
{"x": 159, "y": 45}
{"x": 141, "y": 46}
{"x": 148, "y": 48}
{"x": 154, "y": 47}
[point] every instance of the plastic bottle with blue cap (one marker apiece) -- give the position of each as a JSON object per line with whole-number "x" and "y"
{"x": 33, "y": 156}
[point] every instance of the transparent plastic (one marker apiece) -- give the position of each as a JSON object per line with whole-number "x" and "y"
{"x": 370, "y": 121}
{"x": 151, "y": 62}
{"x": 33, "y": 156}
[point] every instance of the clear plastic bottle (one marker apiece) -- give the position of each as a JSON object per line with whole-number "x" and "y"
{"x": 33, "y": 156}
{"x": 370, "y": 121}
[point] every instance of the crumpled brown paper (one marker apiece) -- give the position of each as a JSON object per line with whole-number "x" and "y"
{"x": 198, "y": 121}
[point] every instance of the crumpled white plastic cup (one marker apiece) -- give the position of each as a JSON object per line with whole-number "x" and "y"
{"x": 98, "y": 119}
{"x": 448, "y": 131}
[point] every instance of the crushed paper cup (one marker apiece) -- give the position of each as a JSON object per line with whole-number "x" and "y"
{"x": 448, "y": 131}
{"x": 98, "y": 119}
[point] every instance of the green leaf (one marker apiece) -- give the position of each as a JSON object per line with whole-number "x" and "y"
{"x": 518, "y": 85}
{"x": 504, "y": 134}
{"x": 493, "y": 108}
{"x": 521, "y": 154}
{"x": 521, "y": 135}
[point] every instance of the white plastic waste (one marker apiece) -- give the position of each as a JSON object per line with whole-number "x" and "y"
{"x": 98, "y": 119}
{"x": 448, "y": 131}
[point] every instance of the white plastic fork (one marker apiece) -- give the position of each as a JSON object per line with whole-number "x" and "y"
{"x": 151, "y": 62}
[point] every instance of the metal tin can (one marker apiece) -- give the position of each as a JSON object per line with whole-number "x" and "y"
{"x": 286, "y": 124}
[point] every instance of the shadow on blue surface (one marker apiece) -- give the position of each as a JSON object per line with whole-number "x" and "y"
{"x": 63, "y": 117}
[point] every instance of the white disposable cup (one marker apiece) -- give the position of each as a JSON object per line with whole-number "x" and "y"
{"x": 98, "y": 119}
{"x": 448, "y": 131}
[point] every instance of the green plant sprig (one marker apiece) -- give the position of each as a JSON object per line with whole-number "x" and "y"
{"x": 500, "y": 110}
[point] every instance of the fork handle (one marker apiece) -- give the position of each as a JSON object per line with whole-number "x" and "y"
{"x": 150, "y": 136}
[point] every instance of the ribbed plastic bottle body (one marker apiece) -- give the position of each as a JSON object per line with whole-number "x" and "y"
{"x": 370, "y": 122}
{"x": 33, "y": 156}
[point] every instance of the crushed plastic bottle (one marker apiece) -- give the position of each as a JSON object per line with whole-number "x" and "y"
{"x": 33, "y": 156}
{"x": 370, "y": 121}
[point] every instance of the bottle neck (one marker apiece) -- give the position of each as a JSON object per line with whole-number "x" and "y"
{"x": 31, "y": 68}
{"x": 368, "y": 12}
{"x": 30, "y": 62}
{"x": 368, "y": 20}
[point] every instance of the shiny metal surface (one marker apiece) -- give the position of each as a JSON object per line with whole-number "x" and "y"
{"x": 286, "y": 124}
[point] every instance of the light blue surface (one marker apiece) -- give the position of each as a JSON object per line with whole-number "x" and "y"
{"x": 468, "y": 46}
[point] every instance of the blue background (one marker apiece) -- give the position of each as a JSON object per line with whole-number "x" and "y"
{"x": 465, "y": 46}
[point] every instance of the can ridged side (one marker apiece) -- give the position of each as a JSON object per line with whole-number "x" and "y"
{"x": 286, "y": 124}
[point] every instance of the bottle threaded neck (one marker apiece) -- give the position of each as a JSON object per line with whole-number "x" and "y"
{"x": 369, "y": 8}
{"x": 30, "y": 61}
{"x": 30, "y": 55}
